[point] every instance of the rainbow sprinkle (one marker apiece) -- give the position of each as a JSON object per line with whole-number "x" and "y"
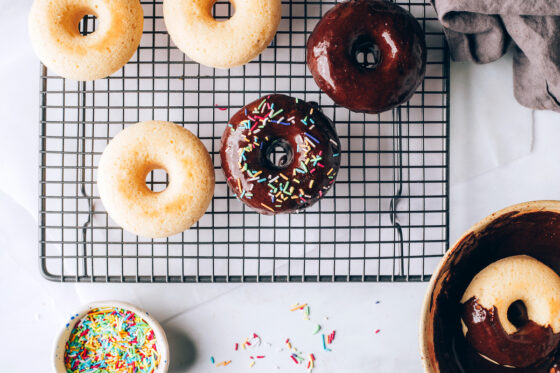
{"x": 298, "y": 307}
{"x": 311, "y": 362}
{"x": 317, "y": 329}
{"x": 331, "y": 337}
{"x": 111, "y": 340}
{"x": 325, "y": 345}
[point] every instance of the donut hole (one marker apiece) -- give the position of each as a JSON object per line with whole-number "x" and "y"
{"x": 87, "y": 24}
{"x": 222, "y": 11}
{"x": 366, "y": 53}
{"x": 278, "y": 154}
{"x": 517, "y": 314}
{"x": 157, "y": 180}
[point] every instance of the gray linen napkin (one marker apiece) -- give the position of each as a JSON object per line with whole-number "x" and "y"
{"x": 481, "y": 31}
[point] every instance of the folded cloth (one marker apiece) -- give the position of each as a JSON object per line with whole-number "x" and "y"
{"x": 482, "y": 30}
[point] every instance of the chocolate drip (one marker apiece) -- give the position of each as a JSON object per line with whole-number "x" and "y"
{"x": 528, "y": 346}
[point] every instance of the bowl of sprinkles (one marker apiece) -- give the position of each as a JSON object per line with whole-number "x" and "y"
{"x": 111, "y": 337}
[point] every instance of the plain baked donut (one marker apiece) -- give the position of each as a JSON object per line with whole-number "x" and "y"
{"x": 144, "y": 147}
{"x": 225, "y": 44}
{"x": 53, "y": 27}
{"x": 488, "y": 298}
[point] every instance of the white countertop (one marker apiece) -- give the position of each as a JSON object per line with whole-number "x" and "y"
{"x": 501, "y": 154}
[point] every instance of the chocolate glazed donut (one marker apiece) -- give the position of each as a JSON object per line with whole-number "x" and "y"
{"x": 367, "y": 55}
{"x": 309, "y": 157}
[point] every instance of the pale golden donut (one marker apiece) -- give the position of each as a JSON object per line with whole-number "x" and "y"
{"x": 53, "y": 27}
{"x": 144, "y": 147}
{"x": 226, "y": 44}
{"x": 518, "y": 278}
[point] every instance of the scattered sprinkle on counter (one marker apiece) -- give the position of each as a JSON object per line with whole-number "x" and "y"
{"x": 298, "y": 306}
{"x": 254, "y": 344}
{"x": 325, "y": 344}
{"x": 111, "y": 340}
{"x": 317, "y": 329}
{"x": 304, "y": 307}
{"x": 330, "y": 337}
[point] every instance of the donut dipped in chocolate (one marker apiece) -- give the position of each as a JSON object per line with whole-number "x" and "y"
{"x": 280, "y": 154}
{"x": 511, "y": 312}
{"x": 367, "y": 55}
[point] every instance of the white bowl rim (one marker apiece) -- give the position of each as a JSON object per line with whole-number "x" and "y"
{"x": 60, "y": 341}
{"x": 524, "y": 207}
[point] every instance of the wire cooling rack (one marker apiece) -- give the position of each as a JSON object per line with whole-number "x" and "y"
{"x": 386, "y": 219}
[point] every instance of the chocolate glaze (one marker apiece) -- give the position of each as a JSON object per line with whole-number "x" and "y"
{"x": 390, "y": 33}
{"x": 533, "y": 233}
{"x": 297, "y": 180}
{"x": 528, "y": 346}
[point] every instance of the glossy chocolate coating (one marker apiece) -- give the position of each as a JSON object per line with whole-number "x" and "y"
{"x": 395, "y": 36}
{"x": 536, "y": 234}
{"x": 297, "y": 180}
{"x": 529, "y": 345}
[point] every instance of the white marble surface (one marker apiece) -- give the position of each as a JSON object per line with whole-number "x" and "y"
{"x": 501, "y": 154}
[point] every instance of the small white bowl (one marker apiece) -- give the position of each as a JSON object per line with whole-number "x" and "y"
{"x": 60, "y": 341}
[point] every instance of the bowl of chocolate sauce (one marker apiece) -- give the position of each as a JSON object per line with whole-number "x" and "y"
{"x": 531, "y": 228}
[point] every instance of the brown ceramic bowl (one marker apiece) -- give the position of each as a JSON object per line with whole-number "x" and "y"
{"x": 531, "y": 228}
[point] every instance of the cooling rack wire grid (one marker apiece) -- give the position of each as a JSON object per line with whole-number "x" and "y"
{"x": 386, "y": 219}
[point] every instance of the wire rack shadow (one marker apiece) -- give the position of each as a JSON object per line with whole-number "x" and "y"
{"x": 386, "y": 219}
